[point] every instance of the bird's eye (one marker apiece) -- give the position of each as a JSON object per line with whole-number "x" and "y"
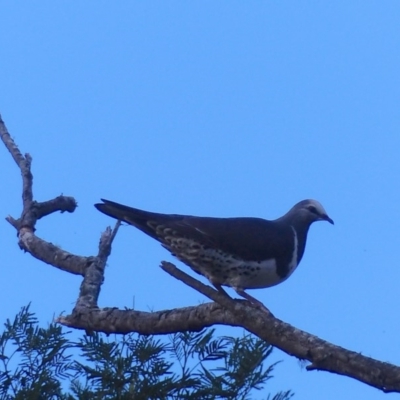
{"x": 313, "y": 209}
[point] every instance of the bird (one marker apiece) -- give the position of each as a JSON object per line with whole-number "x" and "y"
{"x": 241, "y": 253}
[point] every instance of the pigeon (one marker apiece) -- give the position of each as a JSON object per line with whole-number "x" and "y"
{"x": 241, "y": 253}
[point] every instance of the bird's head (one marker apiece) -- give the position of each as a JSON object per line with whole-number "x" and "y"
{"x": 309, "y": 211}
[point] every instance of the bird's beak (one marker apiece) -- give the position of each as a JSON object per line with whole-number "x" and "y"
{"x": 326, "y": 218}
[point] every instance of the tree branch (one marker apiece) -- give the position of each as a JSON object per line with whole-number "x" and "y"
{"x": 86, "y": 315}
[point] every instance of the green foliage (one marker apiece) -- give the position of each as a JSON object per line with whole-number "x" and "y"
{"x": 42, "y": 363}
{"x": 38, "y": 363}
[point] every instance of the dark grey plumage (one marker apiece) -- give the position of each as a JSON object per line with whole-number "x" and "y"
{"x": 243, "y": 253}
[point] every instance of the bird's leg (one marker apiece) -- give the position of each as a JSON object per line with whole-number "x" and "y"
{"x": 252, "y": 300}
{"x": 256, "y": 303}
{"x": 221, "y": 290}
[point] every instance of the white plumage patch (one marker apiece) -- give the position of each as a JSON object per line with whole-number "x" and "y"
{"x": 293, "y": 261}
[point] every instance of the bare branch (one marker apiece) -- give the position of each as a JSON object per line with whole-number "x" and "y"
{"x": 10, "y": 144}
{"x": 106, "y": 240}
{"x": 114, "y": 320}
{"x": 51, "y": 254}
{"x": 32, "y": 211}
{"x": 24, "y": 164}
{"x": 322, "y": 355}
{"x": 60, "y": 203}
{"x": 94, "y": 273}
{"x": 208, "y": 291}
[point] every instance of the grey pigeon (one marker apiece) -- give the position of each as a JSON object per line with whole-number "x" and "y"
{"x": 243, "y": 253}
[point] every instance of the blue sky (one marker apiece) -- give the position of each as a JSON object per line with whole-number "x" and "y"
{"x": 215, "y": 109}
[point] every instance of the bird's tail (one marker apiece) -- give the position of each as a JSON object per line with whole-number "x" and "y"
{"x": 127, "y": 214}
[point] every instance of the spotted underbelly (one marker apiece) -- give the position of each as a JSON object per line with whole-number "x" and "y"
{"x": 241, "y": 274}
{"x": 221, "y": 268}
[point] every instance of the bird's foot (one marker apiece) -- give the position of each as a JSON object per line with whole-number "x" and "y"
{"x": 249, "y": 299}
{"x": 253, "y": 301}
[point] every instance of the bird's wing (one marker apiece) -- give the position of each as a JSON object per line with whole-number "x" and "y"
{"x": 247, "y": 238}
